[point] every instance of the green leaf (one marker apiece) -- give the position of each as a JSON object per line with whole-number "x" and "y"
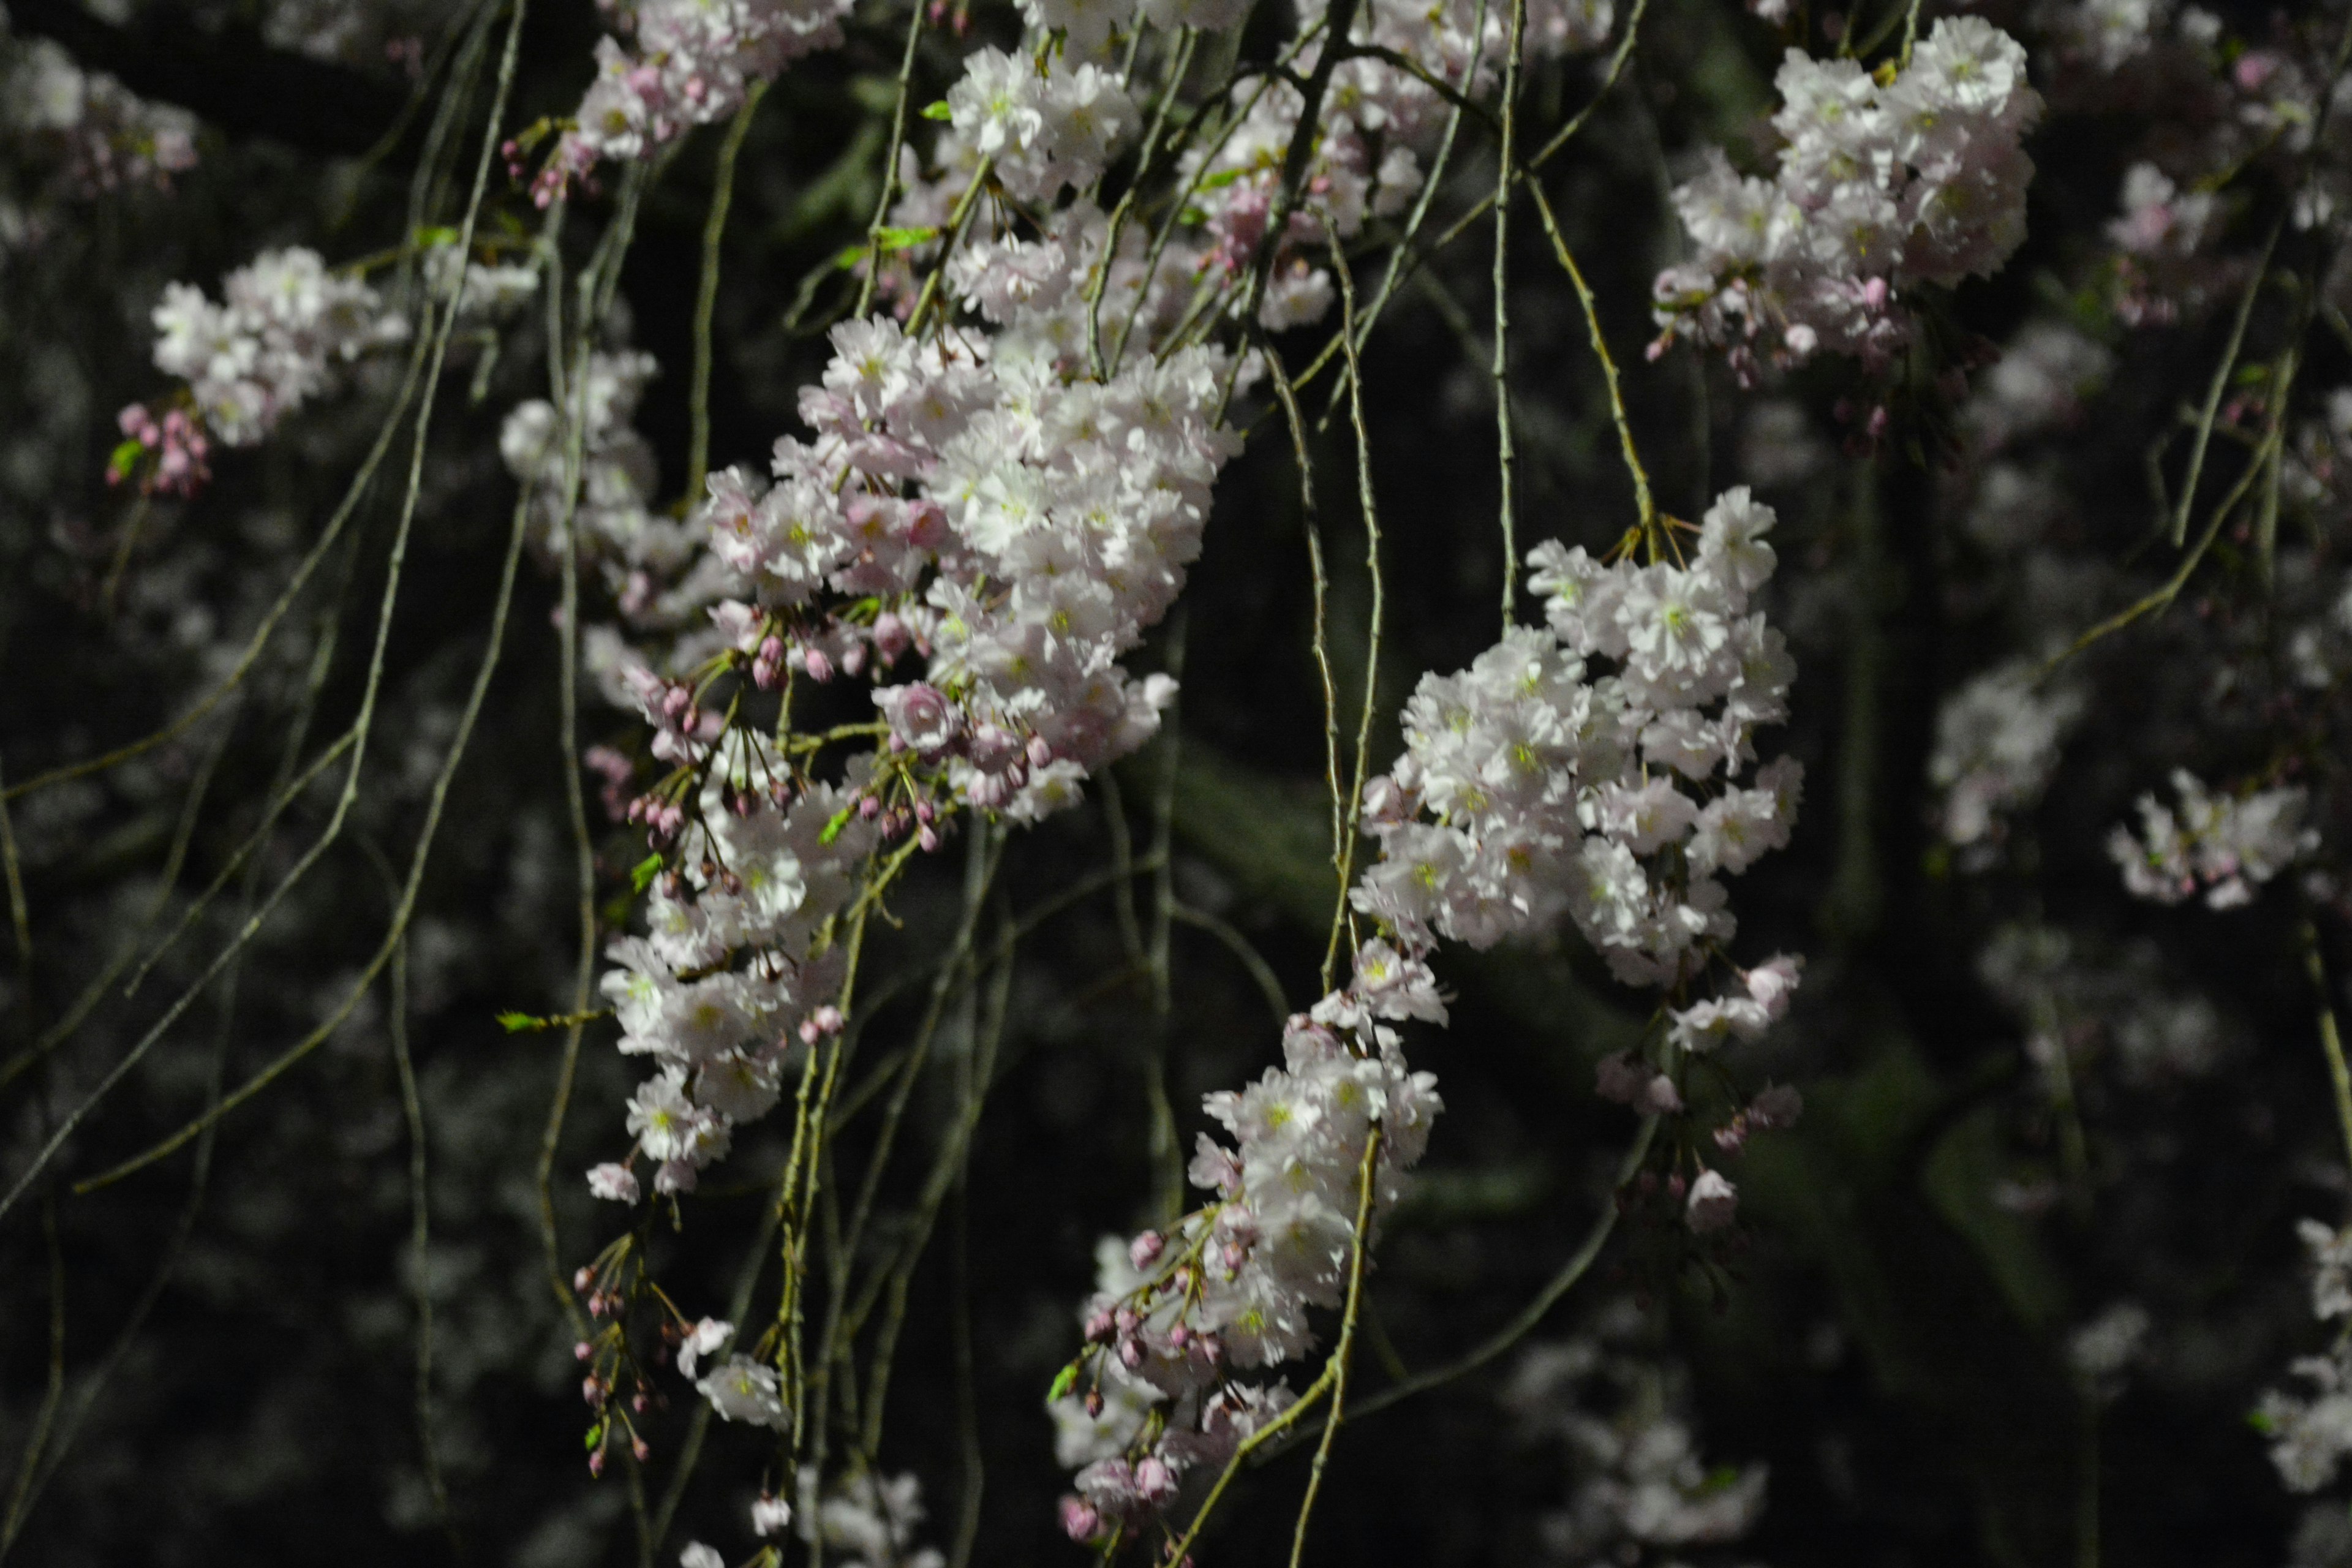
{"x": 595, "y": 1437}
{"x": 124, "y": 457}
{"x": 832, "y": 829}
{"x": 1063, "y": 1381}
{"x": 939, "y": 110}
{"x": 644, "y": 871}
{"x": 440, "y": 234}
{"x": 519, "y": 1023}
{"x": 891, "y": 239}
{"x": 1221, "y": 179}
{"x": 2260, "y": 1421}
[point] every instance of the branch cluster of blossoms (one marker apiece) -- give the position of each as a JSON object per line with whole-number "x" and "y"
{"x": 1380, "y": 122}
{"x": 1230, "y": 1286}
{"x": 689, "y": 63}
{"x": 974, "y": 498}
{"x": 1882, "y": 185}
{"x": 735, "y": 960}
{"x": 1547, "y": 792}
{"x": 2229, "y": 104}
{"x": 1623, "y": 1425}
{"x": 283, "y": 332}
{"x": 2311, "y": 1433}
{"x": 1997, "y": 745}
{"x": 2222, "y": 846}
{"x": 863, "y": 1519}
{"x": 100, "y": 134}
{"x": 643, "y": 556}
{"x": 1612, "y": 798}
{"x": 283, "y": 327}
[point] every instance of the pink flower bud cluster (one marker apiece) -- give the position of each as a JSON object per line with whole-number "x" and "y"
{"x": 176, "y": 446}
{"x": 277, "y": 339}
{"x": 2220, "y": 846}
{"x": 1881, "y": 185}
{"x": 691, "y": 63}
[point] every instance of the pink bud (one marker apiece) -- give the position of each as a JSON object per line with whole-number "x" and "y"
{"x": 1040, "y": 754}
{"x": 1154, "y": 1479}
{"x": 583, "y": 1351}
{"x": 1145, "y": 1249}
{"x": 1080, "y": 1523}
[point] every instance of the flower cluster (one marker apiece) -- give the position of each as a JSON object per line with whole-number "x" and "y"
{"x": 642, "y": 554}
{"x": 1549, "y": 791}
{"x": 1880, "y": 187}
{"x": 2222, "y": 846}
{"x": 1380, "y": 120}
{"x": 1624, "y": 1429}
{"x": 104, "y": 136}
{"x": 1017, "y": 522}
{"x": 1997, "y": 741}
{"x": 1231, "y": 1286}
{"x": 691, "y": 64}
{"x": 1043, "y": 126}
{"x": 972, "y": 497}
{"x": 737, "y": 962}
{"x": 866, "y": 1520}
{"x": 1612, "y": 798}
{"x": 2311, "y": 1433}
{"x": 283, "y": 327}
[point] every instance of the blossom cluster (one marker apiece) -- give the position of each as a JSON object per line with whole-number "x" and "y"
{"x": 1612, "y": 797}
{"x": 2222, "y": 846}
{"x": 1380, "y": 121}
{"x": 102, "y": 135}
{"x": 1231, "y": 1286}
{"x": 690, "y": 62}
{"x": 281, "y": 331}
{"x": 974, "y": 498}
{"x": 1880, "y": 187}
{"x": 643, "y": 555}
{"x": 1549, "y": 791}
{"x": 1623, "y": 1425}
{"x": 1019, "y": 523}
{"x": 1996, "y": 744}
{"x": 866, "y": 1521}
{"x": 735, "y": 963}
{"x": 2311, "y": 1432}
